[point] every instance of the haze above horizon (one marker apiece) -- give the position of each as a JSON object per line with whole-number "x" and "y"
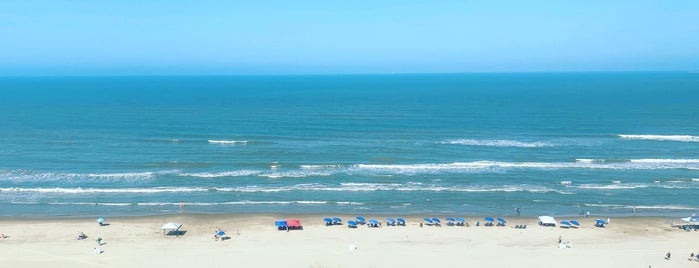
{"x": 212, "y": 37}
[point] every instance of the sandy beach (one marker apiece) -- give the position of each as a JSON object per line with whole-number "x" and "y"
{"x": 254, "y": 242}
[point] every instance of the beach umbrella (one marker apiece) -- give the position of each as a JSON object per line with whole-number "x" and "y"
{"x": 502, "y": 220}
{"x": 220, "y": 233}
{"x": 489, "y": 219}
{"x": 171, "y": 226}
{"x": 100, "y": 220}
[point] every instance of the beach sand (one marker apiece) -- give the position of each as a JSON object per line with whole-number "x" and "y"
{"x": 254, "y": 242}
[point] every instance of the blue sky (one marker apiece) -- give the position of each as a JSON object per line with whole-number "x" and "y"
{"x": 71, "y": 37}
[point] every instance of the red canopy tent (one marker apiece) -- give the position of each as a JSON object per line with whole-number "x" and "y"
{"x": 294, "y": 223}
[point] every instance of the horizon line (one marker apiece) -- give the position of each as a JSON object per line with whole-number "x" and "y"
{"x": 337, "y": 74}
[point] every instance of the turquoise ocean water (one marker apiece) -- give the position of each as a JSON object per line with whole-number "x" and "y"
{"x": 451, "y": 144}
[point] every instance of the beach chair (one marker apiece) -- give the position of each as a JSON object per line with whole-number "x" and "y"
{"x": 451, "y": 221}
{"x": 437, "y": 222}
{"x": 328, "y": 221}
{"x": 390, "y": 222}
{"x": 460, "y": 222}
{"x": 564, "y": 224}
{"x": 501, "y": 222}
{"x": 373, "y": 223}
{"x": 400, "y": 222}
{"x": 360, "y": 220}
{"x": 574, "y": 224}
{"x": 428, "y": 221}
{"x": 281, "y": 225}
{"x": 336, "y": 221}
{"x": 351, "y": 224}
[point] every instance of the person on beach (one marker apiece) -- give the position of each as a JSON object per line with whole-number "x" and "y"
{"x": 517, "y": 212}
{"x": 668, "y": 255}
{"x": 560, "y": 239}
{"x": 99, "y": 241}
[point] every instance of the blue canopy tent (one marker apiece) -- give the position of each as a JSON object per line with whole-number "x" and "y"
{"x": 574, "y": 224}
{"x": 337, "y": 221}
{"x": 501, "y": 222}
{"x": 400, "y": 221}
{"x": 437, "y": 222}
{"x": 328, "y": 221}
{"x": 373, "y": 223}
{"x": 460, "y": 222}
{"x": 281, "y": 225}
{"x": 600, "y": 223}
{"x": 489, "y": 221}
{"x": 428, "y": 221}
{"x": 360, "y": 220}
{"x": 564, "y": 224}
{"x": 351, "y": 224}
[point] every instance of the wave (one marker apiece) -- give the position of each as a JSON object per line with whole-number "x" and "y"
{"x": 228, "y": 141}
{"x": 654, "y": 207}
{"x": 682, "y": 138}
{"x": 497, "y": 143}
{"x": 234, "y": 173}
{"x": 614, "y": 186}
{"x": 177, "y": 204}
{"x": 29, "y": 175}
{"x": 343, "y": 187}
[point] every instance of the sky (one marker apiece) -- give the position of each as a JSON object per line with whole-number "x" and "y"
{"x": 127, "y": 37}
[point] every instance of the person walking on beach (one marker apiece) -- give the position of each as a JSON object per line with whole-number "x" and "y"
{"x": 517, "y": 211}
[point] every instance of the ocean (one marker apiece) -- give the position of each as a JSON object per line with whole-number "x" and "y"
{"x": 401, "y": 144}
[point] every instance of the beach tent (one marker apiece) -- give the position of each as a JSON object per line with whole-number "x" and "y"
{"x": 694, "y": 221}
{"x": 600, "y": 223}
{"x": 294, "y": 224}
{"x": 170, "y": 227}
{"x": 547, "y": 221}
{"x": 281, "y": 225}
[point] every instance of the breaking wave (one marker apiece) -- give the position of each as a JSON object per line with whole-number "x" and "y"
{"x": 228, "y": 142}
{"x": 497, "y": 143}
{"x": 682, "y": 138}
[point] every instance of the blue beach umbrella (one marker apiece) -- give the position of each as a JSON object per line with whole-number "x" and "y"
{"x": 100, "y": 220}
{"x": 220, "y": 233}
{"x": 489, "y": 219}
{"x": 502, "y": 220}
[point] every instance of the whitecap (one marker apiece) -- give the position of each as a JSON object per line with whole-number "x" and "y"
{"x": 682, "y": 138}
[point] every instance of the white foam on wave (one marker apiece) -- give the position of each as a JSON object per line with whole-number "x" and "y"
{"x": 79, "y": 190}
{"x": 497, "y": 143}
{"x": 234, "y": 173}
{"x": 177, "y": 204}
{"x": 682, "y": 138}
{"x": 613, "y": 186}
{"x": 228, "y": 141}
{"x": 327, "y": 166}
{"x": 29, "y": 175}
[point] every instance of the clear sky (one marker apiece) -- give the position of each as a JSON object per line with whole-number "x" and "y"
{"x": 96, "y": 37}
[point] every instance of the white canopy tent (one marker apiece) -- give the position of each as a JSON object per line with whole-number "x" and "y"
{"x": 170, "y": 226}
{"x": 547, "y": 221}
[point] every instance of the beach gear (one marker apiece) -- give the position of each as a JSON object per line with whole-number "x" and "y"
{"x": 501, "y": 222}
{"x": 565, "y": 224}
{"x": 361, "y": 220}
{"x": 547, "y": 221}
{"x": 281, "y": 225}
{"x": 390, "y": 222}
{"x": 351, "y": 224}
{"x": 574, "y": 224}
{"x": 400, "y": 221}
